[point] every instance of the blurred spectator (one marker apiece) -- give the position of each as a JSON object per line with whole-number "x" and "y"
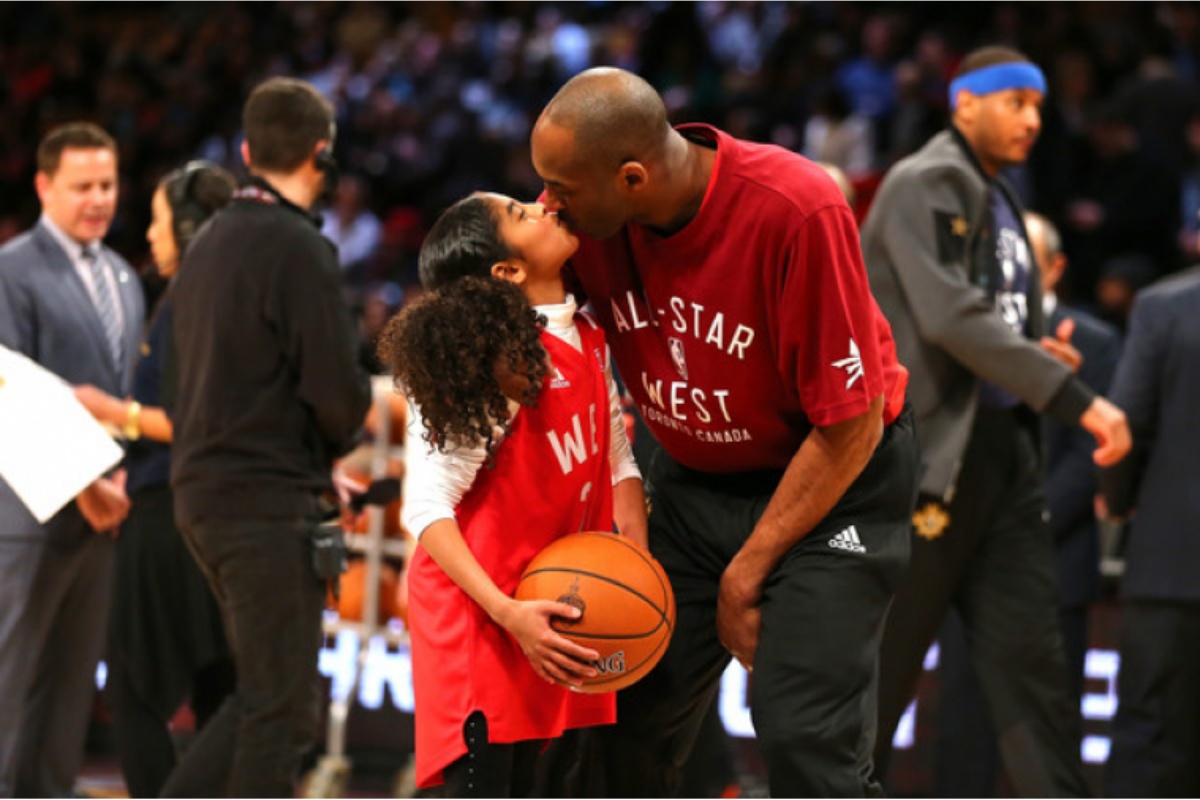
{"x": 435, "y": 99}
{"x": 1158, "y": 103}
{"x": 869, "y": 79}
{"x": 353, "y": 227}
{"x": 837, "y": 135}
{"x": 1055, "y": 161}
{"x": 380, "y": 303}
{"x": 1189, "y": 195}
{"x": 1121, "y": 278}
{"x": 1123, "y": 202}
{"x": 839, "y": 177}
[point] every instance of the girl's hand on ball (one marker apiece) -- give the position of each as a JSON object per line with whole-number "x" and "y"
{"x": 554, "y": 658}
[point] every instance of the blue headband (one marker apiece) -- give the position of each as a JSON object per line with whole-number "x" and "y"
{"x": 997, "y": 78}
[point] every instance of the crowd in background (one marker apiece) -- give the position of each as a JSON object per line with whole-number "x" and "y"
{"x": 437, "y": 99}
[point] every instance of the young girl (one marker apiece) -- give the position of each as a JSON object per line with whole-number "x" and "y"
{"x": 521, "y": 441}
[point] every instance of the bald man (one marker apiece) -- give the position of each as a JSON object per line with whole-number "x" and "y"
{"x": 728, "y": 278}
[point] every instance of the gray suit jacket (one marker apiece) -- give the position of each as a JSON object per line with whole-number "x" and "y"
{"x": 931, "y": 265}
{"x": 1158, "y": 385}
{"x": 47, "y": 314}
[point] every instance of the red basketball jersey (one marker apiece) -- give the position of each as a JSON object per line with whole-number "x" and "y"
{"x": 551, "y": 477}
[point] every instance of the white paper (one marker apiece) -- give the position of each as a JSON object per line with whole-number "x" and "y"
{"x": 51, "y": 448}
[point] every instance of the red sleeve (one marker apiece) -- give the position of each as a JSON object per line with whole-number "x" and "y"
{"x": 829, "y": 343}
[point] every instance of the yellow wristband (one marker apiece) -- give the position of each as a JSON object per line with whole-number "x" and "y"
{"x": 133, "y": 421}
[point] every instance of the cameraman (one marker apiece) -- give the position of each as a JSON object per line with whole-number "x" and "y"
{"x": 268, "y": 393}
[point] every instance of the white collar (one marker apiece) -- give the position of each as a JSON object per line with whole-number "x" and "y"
{"x": 559, "y": 316}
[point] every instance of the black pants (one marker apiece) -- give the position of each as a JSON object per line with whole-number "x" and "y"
{"x": 166, "y": 642}
{"x": 493, "y": 770}
{"x": 812, "y": 694}
{"x": 967, "y": 762}
{"x": 142, "y": 733}
{"x": 262, "y": 576}
{"x": 995, "y": 564}
{"x": 1156, "y": 733}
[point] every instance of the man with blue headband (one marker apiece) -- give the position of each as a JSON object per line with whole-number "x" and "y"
{"x": 950, "y": 264}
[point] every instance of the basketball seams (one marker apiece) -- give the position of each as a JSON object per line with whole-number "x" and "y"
{"x": 649, "y": 561}
{"x": 640, "y": 553}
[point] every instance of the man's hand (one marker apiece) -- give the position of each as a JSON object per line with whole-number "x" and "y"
{"x": 739, "y": 619}
{"x": 1060, "y": 345}
{"x": 347, "y": 488}
{"x": 1107, "y": 423}
{"x": 104, "y": 503}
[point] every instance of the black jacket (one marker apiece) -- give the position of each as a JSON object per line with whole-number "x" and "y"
{"x": 1158, "y": 385}
{"x": 268, "y": 389}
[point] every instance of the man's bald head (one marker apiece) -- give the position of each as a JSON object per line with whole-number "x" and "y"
{"x": 615, "y": 116}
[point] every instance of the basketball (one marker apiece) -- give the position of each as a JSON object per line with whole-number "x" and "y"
{"x": 627, "y": 604}
{"x": 353, "y": 584}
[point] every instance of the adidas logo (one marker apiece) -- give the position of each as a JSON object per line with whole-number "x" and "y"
{"x": 848, "y": 540}
{"x": 558, "y": 381}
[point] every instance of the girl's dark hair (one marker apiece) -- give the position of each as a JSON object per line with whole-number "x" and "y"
{"x": 465, "y": 240}
{"x": 443, "y": 351}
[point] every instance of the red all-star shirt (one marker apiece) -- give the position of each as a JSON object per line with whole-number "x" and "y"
{"x": 739, "y": 333}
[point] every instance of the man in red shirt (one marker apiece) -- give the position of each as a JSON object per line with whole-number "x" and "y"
{"x": 728, "y": 278}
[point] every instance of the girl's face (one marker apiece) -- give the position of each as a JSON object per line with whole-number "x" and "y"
{"x": 535, "y": 236}
{"x": 161, "y": 235}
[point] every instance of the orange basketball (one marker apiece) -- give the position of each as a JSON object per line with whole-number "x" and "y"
{"x": 627, "y": 604}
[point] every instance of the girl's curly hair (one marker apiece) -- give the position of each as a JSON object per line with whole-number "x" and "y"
{"x": 444, "y": 350}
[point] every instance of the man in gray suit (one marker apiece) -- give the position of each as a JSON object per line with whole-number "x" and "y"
{"x": 1156, "y": 741}
{"x": 949, "y": 261}
{"x": 76, "y": 308}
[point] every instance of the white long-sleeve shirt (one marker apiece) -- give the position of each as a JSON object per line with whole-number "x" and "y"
{"x": 435, "y": 482}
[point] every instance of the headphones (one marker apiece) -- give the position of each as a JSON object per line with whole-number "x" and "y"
{"x": 187, "y": 212}
{"x": 324, "y": 160}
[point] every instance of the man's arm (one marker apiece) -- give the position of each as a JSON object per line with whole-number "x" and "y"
{"x": 1071, "y": 480}
{"x": 830, "y": 459}
{"x": 926, "y": 242}
{"x": 1137, "y": 387}
{"x": 958, "y": 317}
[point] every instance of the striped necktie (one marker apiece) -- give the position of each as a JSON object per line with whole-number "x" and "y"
{"x": 106, "y": 301}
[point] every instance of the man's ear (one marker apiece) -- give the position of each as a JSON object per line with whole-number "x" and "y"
{"x": 967, "y": 107}
{"x": 512, "y": 271}
{"x": 632, "y": 176}
{"x": 246, "y": 153}
{"x": 41, "y": 182}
